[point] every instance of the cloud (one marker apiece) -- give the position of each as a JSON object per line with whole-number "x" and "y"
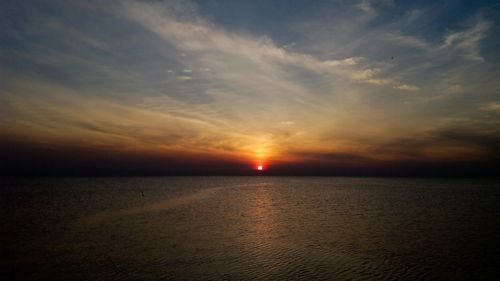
{"x": 367, "y": 8}
{"x": 463, "y": 43}
{"x": 339, "y": 157}
{"x": 347, "y": 61}
{"x": 467, "y": 41}
{"x": 237, "y": 54}
{"x": 406, "y": 87}
{"x": 408, "y": 40}
{"x": 184, "y": 77}
{"x": 287, "y": 123}
{"x": 445, "y": 143}
{"x": 493, "y": 107}
{"x": 414, "y": 15}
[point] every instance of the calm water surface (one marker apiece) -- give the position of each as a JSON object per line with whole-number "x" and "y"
{"x": 249, "y": 228}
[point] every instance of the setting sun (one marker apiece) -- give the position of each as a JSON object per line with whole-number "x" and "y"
{"x": 260, "y": 168}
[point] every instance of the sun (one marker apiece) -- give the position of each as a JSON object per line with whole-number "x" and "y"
{"x": 259, "y": 167}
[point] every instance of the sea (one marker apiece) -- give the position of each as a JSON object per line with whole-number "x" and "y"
{"x": 249, "y": 228}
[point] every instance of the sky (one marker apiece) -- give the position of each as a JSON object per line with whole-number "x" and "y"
{"x": 220, "y": 87}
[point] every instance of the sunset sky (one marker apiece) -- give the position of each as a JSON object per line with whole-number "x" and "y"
{"x": 220, "y": 87}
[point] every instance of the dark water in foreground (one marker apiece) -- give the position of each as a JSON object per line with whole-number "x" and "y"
{"x": 248, "y": 228}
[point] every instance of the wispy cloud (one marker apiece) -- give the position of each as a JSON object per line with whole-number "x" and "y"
{"x": 366, "y": 7}
{"x": 407, "y": 87}
{"x": 467, "y": 41}
{"x": 408, "y": 40}
{"x": 287, "y": 123}
{"x": 239, "y": 58}
{"x": 184, "y": 78}
{"x": 493, "y": 107}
